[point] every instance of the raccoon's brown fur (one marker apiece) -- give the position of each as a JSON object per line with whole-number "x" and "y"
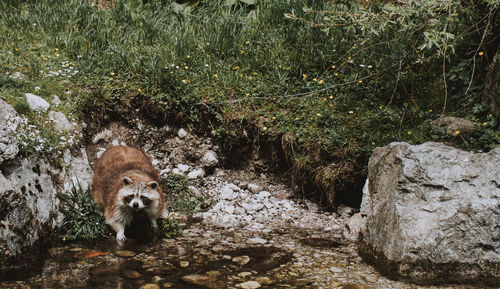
{"x": 121, "y": 175}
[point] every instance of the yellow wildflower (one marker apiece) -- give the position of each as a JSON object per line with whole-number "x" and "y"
{"x": 331, "y": 96}
{"x": 457, "y": 132}
{"x": 185, "y": 81}
{"x": 264, "y": 128}
{"x": 321, "y": 81}
{"x": 351, "y": 112}
{"x": 336, "y": 74}
{"x": 360, "y": 81}
{"x": 333, "y": 66}
{"x": 315, "y": 79}
{"x": 318, "y": 114}
{"x": 485, "y": 123}
{"x": 112, "y": 73}
{"x": 381, "y": 107}
{"x": 304, "y": 75}
{"x": 410, "y": 132}
{"x": 481, "y": 53}
{"x": 430, "y": 110}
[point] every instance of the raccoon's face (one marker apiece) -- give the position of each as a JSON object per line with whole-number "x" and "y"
{"x": 138, "y": 195}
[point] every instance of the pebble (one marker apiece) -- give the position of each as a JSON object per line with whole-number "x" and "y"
{"x": 184, "y": 264}
{"x": 263, "y": 195}
{"x": 253, "y": 188}
{"x": 264, "y": 280}
{"x": 244, "y": 274}
{"x": 209, "y": 159}
{"x": 182, "y": 133}
{"x": 228, "y": 194}
{"x": 150, "y": 286}
{"x": 249, "y": 285}
{"x": 198, "y": 173}
{"x": 336, "y": 270}
{"x": 256, "y": 241}
{"x": 131, "y": 274}
{"x": 183, "y": 168}
{"x": 125, "y": 253}
{"x": 201, "y": 280}
{"x": 241, "y": 260}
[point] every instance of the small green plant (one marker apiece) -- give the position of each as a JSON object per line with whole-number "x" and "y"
{"x": 185, "y": 201}
{"x": 168, "y": 228}
{"x": 82, "y": 218}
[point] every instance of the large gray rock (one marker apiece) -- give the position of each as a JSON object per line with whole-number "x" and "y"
{"x": 9, "y": 121}
{"x": 29, "y": 206}
{"x": 432, "y": 214}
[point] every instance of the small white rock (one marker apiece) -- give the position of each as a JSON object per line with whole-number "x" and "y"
{"x": 183, "y": 168}
{"x": 263, "y": 195}
{"x": 228, "y": 194}
{"x": 232, "y": 187}
{"x": 115, "y": 143}
{"x": 249, "y": 285}
{"x": 254, "y": 188}
{"x": 256, "y": 241}
{"x": 182, "y": 133}
{"x": 61, "y": 123}
{"x": 198, "y": 173}
{"x": 37, "y": 103}
{"x": 209, "y": 159}
{"x": 252, "y": 207}
{"x": 177, "y": 172}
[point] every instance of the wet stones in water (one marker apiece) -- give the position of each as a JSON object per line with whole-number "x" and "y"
{"x": 104, "y": 270}
{"x": 131, "y": 274}
{"x": 202, "y": 281}
{"x": 241, "y": 260}
{"x": 150, "y": 286}
{"x": 125, "y": 253}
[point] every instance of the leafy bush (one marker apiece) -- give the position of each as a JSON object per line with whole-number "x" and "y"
{"x": 83, "y": 220}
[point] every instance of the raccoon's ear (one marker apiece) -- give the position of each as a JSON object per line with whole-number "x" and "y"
{"x": 126, "y": 181}
{"x": 153, "y": 185}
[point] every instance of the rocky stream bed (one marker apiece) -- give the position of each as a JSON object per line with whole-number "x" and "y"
{"x": 257, "y": 234}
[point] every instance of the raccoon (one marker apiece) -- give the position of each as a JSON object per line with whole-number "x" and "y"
{"x": 125, "y": 182}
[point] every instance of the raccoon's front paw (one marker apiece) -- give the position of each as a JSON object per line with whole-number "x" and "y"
{"x": 120, "y": 237}
{"x": 154, "y": 225}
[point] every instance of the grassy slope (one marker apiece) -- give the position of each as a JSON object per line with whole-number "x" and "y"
{"x": 241, "y": 71}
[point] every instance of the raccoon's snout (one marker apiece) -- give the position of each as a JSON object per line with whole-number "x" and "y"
{"x": 135, "y": 206}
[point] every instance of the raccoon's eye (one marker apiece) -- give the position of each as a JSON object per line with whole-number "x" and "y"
{"x": 146, "y": 201}
{"x": 128, "y": 198}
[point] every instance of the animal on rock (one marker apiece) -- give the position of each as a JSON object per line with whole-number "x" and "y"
{"x": 125, "y": 182}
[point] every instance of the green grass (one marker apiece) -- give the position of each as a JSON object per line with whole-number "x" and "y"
{"x": 82, "y": 219}
{"x": 281, "y": 71}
